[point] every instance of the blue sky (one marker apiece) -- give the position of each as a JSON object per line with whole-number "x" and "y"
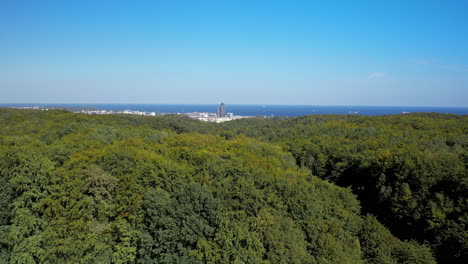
{"x": 409, "y": 53}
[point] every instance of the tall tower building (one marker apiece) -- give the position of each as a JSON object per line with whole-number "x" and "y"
{"x": 222, "y": 110}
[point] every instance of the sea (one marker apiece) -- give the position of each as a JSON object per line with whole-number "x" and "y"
{"x": 259, "y": 110}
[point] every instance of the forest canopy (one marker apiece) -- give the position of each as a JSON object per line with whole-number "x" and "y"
{"x": 315, "y": 189}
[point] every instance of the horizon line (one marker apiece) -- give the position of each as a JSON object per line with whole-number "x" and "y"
{"x": 331, "y": 105}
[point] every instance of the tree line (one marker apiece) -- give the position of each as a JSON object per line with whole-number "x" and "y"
{"x": 316, "y": 189}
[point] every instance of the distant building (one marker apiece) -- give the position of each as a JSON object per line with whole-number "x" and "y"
{"x": 222, "y": 110}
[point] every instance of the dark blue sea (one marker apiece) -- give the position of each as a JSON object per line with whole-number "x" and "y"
{"x": 261, "y": 110}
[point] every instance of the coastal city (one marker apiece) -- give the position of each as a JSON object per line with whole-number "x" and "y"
{"x": 221, "y": 115}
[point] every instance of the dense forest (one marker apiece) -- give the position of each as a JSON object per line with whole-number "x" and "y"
{"x": 168, "y": 189}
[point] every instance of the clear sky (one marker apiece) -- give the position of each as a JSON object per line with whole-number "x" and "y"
{"x": 402, "y": 53}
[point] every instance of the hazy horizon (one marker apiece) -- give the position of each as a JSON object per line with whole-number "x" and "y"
{"x": 248, "y": 52}
{"x": 235, "y": 104}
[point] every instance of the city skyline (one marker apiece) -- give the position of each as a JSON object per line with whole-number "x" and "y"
{"x": 243, "y": 52}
